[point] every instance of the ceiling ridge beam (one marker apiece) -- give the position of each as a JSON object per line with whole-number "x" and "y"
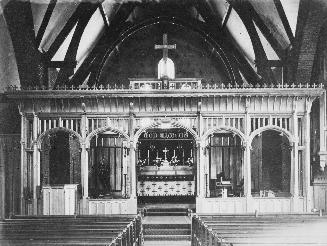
{"x": 45, "y": 22}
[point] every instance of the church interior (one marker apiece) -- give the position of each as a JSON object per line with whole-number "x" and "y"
{"x": 142, "y": 122}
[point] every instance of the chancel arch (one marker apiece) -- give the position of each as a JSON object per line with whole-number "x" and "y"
{"x": 105, "y": 129}
{"x": 166, "y": 163}
{"x": 224, "y": 165}
{"x": 40, "y": 139}
{"x": 165, "y": 123}
{"x": 271, "y": 163}
{"x": 271, "y": 127}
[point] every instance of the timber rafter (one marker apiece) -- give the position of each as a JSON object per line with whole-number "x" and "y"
{"x": 94, "y": 58}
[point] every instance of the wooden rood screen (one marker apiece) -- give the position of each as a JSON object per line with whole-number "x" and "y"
{"x": 268, "y": 230}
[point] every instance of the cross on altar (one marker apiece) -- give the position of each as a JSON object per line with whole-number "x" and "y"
{"x": 165, "y": 151}
{"x": 165, "y": 47}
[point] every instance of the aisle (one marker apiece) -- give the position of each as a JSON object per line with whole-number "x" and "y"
{"x": 164, "y": 229}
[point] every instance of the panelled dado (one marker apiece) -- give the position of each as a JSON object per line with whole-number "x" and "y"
{"x": 225, "y": 123}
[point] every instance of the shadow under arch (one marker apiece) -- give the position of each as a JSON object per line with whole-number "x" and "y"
{"x": 164, "y": 125}
{"x": 224, "y": 158}
{"x": 107, "y": 167}
{"x": 224, "y": 129}
{"x": 55, "y": 130}
{"x": 272, "y": 128}
{"x": 271, "y": 162}
{"x": 59, "y": 156}
{"x": 104, "y": 129}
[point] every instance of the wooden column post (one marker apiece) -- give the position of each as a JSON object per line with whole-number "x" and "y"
{"x": 125, "y": 172}
{"x": 133, "y": 170}
{"x": 307, "y": 166}
{"x": 200, "y": 171}
{"x": 132, "y": 164}
{"x": 84, "y": 159}
{"x": 22, "y": 160}
{"x": 323, "y": 150}
{"x": 36, "y": 165}
{"x": 247, "y": 152}
{"x": 200, "y": 175}
{"x": 295, "y": 153}
{"x": 247, "y": 170}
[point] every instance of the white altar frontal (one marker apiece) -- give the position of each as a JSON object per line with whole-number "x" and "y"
{"x": 231, "y": 148}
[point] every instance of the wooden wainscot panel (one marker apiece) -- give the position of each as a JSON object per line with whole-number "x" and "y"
{"x": 112, "y": 206}
{"x": 320, "y": 192}
{"x": 221, "y": 205}
{"x": 59, "y": 200}
{"x": 272, "y": 205}
{"x": 238, "y": 205}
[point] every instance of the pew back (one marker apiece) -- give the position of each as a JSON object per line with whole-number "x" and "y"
{"x": 72, "y": 230}
{"x": 273, "y": 229}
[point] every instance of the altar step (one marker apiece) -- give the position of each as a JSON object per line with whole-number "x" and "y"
{"x": 165, "y": 211}
{"x": 167, "y": 232}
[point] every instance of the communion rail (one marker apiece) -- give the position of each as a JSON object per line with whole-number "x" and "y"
{"x": 267, "y": 229}
{"x": 71, "y": 230}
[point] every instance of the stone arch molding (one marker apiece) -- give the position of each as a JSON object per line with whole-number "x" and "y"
{"x": 57, "y": 129}
{"x": 228, "y": 129}
{"x": 104, "y": 129}
{"x": 166, "y": 124}
{"x": 258, "y": 131}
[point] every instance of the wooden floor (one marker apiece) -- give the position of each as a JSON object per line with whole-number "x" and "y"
{"x": 167, "y": 226}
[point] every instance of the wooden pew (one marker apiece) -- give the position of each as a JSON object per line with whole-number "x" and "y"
{"x": 259, "y": 230}
{"x": 71, "y": 230}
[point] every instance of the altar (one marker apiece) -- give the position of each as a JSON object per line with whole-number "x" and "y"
{"x": 166, "y": 164}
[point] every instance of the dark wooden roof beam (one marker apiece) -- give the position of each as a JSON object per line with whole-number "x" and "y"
{"x": 267, "y": 32}
{"x": 104, "y": 17}
{"x": 226, "y": 17}
{"x": 45, "y": 22}
{"x": 61, "y": 64}
{"x": 66, "y": 30}
{"x": 284, "y": 20}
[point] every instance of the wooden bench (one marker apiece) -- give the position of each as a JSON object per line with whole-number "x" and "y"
{"x": 71, "y": 230}
{"x": 265, "y": 230}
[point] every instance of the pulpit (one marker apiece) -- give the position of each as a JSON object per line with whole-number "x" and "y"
{"x": 59, "y": 199}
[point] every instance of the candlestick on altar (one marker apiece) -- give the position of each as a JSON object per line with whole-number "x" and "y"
{"x": 191, "y": 153}
{"x": 174, "y": 153}
{"x": 148, "y": 157}
{"x": 165, "y": 151}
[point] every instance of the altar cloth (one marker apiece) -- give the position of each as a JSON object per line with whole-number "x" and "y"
{"x": 165, "y": 188}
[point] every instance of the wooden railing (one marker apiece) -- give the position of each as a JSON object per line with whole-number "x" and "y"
{"x": 131, "y": 235}
{"x": 154, "y": 85}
